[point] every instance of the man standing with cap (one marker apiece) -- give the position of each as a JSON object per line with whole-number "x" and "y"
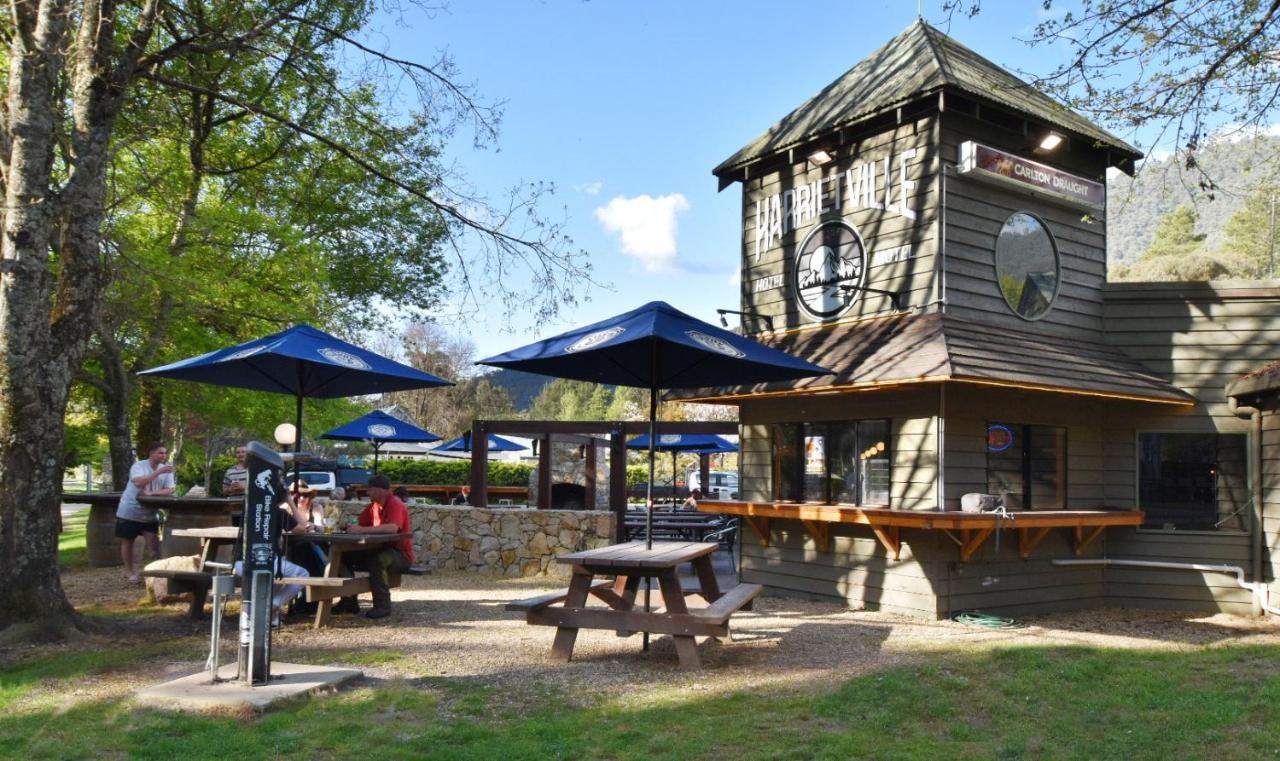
{"x": 386, "y": 514}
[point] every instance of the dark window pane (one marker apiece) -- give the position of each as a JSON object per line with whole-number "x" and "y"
{"x": 787, "y": 461}
{"x": 844, "y": 462}
{"x": 1193, "y": 481}
{"x": 1047, "y": 457}
{"x": 1027, "y": 265}
{"x": 815, "y": 462}
{"x": 873, "y": 451}
{"x": 1004, "y": 464}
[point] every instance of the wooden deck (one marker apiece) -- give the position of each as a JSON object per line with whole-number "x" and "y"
{"x": 967, "y": 530}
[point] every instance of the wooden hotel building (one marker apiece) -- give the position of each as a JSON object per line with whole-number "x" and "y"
{"x": 934, "y": 230}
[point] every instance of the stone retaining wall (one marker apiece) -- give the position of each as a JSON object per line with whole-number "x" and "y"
{"x": 501, "y": 541}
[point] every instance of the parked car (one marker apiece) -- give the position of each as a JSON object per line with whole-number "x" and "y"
{"x": 323, "y": 481}
{"x": 723, "y": 484}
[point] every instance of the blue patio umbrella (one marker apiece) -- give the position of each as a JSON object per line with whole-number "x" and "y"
{"x": 463, "y": 444}
{"x": 696, "y": 443}
{"x": 656, "y": 347}
{"x": 688, "y": 443}
{"x": 301, "y": 361}
{"x": 378, "y": 428}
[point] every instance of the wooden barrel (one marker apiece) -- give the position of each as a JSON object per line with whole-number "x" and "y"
{"x": 102, "y": 548}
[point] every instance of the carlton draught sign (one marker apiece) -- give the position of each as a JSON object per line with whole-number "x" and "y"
{"x": 981, "y": 162}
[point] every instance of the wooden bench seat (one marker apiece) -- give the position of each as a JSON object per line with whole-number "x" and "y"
{"x": 729, "y": 603}
{"x": 195, "y": 583}
{"x": 541, "y": 601}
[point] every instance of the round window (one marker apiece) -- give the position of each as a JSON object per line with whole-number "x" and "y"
{"x": 1027, "y": 265}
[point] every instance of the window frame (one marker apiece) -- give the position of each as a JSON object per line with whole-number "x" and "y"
{"x": 1027, "y": 496}
{"x": 1057, "y": 264}
{"x": 1248, "y": 471}
{"x": 798, "y": 431}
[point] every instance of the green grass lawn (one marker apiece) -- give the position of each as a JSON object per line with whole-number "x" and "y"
{"x": 71, "y": 542}
{"x": 1067, "y": 703}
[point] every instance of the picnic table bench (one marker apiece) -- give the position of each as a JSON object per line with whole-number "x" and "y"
{"x": 320, "y": 589}
{"x": 332, "y": 585}
{"x": 628, "y": 564}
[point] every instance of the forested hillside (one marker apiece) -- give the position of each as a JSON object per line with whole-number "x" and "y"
{"x": 1237, "y": 167}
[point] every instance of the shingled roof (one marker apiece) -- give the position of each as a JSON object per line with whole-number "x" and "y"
{"x": 919, "y": 61}
{"x": 936, "y": 348}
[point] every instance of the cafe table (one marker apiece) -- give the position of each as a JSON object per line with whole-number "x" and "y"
{"x": 622, "y": 567}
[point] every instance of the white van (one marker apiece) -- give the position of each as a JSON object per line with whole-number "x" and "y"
{"x": 323, "y": 481}
{"x": 724, "y": 484}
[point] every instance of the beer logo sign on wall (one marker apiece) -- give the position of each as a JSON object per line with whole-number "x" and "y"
{"x": 830, "y": 270}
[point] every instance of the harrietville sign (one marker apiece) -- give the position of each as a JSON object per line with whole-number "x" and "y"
{"x": 986, "y": 163}
{"x": 866, "y": 185}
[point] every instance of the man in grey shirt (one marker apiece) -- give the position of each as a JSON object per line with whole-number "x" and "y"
{"x": 152, "y": 477}
{"x": 236, "y": 479}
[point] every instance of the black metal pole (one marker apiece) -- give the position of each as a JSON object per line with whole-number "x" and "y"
{"x": 376, "y": 445}
{"x": 297, "y": 434}
{"x": 653, "y": 440}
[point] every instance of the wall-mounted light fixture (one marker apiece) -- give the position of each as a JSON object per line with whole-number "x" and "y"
{"x": 768, "y": 320}
{"x": 1050, "y": 142}
{"x": 895, "y": 297}
{"x": 821, "y": 157}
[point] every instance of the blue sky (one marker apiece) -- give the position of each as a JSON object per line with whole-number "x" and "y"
{"x": 627, "y": 106}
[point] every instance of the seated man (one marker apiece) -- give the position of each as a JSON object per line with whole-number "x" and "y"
{"x": 463, "y": 497}
{"x": 386, "y": 514}
{"x": 236, "y": 477}
{"x": 691, "y": 502}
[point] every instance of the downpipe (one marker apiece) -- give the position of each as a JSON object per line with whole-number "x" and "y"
{"x": 1258, "y": 546}
{"x": 1257, "y": 588}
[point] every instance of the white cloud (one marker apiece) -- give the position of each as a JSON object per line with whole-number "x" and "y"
{"x": 646, "y": 225}
{"x": 590, "y": 188}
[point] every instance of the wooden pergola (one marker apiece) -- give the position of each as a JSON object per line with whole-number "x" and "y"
{"x": 548, "y": 431}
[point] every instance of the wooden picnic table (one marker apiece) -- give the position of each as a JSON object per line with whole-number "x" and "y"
{"x": 324, "y": 590}
{"x": 627, "y": 564}
{"x": 321, "y": 589}
{"x": 690, "y": 526}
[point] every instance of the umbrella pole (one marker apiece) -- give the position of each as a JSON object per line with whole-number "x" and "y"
{"x": 648, "y": 519}
{"x": 375, "y": 457}
{"x": 297, "y": 443}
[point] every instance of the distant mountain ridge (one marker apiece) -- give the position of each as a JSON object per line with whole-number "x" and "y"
{"x": 522, "y": 386}
{"x": 1237, "y": 166}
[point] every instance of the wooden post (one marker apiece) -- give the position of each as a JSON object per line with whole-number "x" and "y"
{"x": 618, "y": 481}
{"x": 544, "y": 474}
{"x": 479, "y": 464}
{"x": 704, "y": 474}
{"x": 591, "y": 474}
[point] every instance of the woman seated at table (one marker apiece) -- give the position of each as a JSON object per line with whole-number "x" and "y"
{"x": 691, "y": 502}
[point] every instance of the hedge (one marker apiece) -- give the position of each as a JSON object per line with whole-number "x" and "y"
{"x": 453, "y": 473}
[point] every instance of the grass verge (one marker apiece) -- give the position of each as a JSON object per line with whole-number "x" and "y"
{"x": 71, "y": 542}
{"x": 1043, "y": 703}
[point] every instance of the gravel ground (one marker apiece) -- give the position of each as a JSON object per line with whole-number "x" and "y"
{"x": 453, "y": 626}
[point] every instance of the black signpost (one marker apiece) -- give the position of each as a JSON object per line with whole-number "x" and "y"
{"x": 260, "y": 535}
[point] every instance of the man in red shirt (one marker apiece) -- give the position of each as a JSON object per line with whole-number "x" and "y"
{"x": 386, "y": 514}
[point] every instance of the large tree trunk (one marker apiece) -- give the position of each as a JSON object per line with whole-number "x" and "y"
{"x": 116, "y": 385}
{"x": 46, "y": 324}
{"x": 150, "y": 417}
{"x": 33, "y": 389}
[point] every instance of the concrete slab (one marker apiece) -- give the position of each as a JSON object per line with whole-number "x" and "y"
{"x": 288, "y": 680}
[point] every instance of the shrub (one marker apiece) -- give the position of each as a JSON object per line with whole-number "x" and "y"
{"x": 452, "y": 473}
